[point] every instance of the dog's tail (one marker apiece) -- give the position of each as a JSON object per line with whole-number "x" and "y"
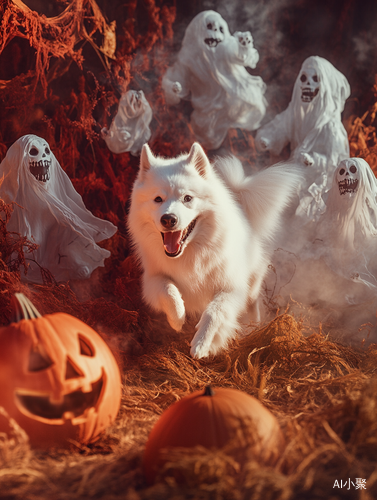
{"x": 263, "y": 196}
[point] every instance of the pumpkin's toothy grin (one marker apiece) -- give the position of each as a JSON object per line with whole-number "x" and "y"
{"x": 73, "y": 404}
{"x": 174, "y": 240}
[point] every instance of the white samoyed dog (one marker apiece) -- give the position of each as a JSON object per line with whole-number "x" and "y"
{"x": 201, "y": 233}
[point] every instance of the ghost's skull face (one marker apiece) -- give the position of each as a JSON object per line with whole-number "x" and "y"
{"x": 134, "y": 103}
{"x": 39, "y": 159}
{"x": 347, "y": 177}
{"x": 215, "y": 30}
{"x": 309, "y": 84}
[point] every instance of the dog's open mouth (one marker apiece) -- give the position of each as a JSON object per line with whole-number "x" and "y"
{"x": 174, "y": 240}
{"x": 348, "y": 186}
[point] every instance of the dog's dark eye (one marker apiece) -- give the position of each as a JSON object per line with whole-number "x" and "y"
{"x": 158, "y": 199}
{"x": 187, "y": 198}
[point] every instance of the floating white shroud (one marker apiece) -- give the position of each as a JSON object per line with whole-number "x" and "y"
{"x": 317, "y": 137}
{"x": 346, "y": 234}
{"x": 130, "y": 128}
{"x": 210, "y": 70}
{"x": 53, "y": 215}
{"x": 332, "y": 263}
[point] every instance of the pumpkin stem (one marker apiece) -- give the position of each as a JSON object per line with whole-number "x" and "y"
{"x": 22, "y": 308}
{"x": 208, "y": 391}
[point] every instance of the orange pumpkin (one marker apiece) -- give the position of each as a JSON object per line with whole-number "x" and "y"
{"x": 58, "y": 378}
{"x": 210, "y": 418}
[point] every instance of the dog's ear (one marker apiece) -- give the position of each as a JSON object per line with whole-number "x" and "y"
{"x": 146, "y": 158}
{"x": 199, "y": 159}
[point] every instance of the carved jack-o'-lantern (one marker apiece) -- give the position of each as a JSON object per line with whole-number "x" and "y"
{"x": 58, "y": 378}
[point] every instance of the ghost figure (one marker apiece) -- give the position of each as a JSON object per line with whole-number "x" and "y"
{"x": 48, "y": 211}
{"x": 210, "y": 70}
{"x": 333, "y": 271}
{"x": 312, "y": 125}
{"x": 130, "y": 127}
{"x": 346, "y": 235}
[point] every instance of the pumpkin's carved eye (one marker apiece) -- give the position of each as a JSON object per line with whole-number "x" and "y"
{"x": 71, "y": 370}
{"x": 39, "y": 360}
{"x": 86, "y": 348}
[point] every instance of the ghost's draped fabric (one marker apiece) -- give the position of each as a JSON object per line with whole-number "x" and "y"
{"x": 210, "y": 70}
{"x": 130, "y": 127}
{"x": 315, "y": 129}
{"x": 346, "y": 234}
{"x": 54, "y": 216}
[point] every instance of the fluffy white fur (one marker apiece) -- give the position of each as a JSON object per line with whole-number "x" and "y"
{"x": 219, "y": 271}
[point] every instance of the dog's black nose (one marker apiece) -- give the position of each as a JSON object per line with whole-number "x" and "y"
{"x": 169, "y": 221}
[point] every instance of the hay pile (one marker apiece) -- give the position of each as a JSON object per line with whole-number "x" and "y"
{"x": 323, "y": 394}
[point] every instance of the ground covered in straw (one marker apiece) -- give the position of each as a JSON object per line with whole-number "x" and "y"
{"x": 323, "y": 393}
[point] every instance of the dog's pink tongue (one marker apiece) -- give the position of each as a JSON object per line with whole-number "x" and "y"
{"x": 171, "y": 241}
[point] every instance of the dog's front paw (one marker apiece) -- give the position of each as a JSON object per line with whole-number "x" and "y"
{"x": 177, "y": 322}
{"x": 199, "y": 349}
{"x": 175, "y": 308}
{"x": 201, "y": 344}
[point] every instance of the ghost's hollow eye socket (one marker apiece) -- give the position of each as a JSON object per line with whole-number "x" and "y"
{"x": 353, "y": 169}
{"x": 221, "y": 29}
{"x": 315, "y": 78}
{"x": 341, "y": 171}
{"x": 47, "y": 151}
{"x": 158, "y": 199}
{"x": 209, "y": 26}
{"x": 34, "y": 151}
{"x": 303, "y": 78}
{"x": 187, "y": 198}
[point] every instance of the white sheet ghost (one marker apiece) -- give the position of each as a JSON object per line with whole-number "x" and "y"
{"x": 50, "y": 212}
{"x": 332, "y": 269}
{"x": 210, "y": 70}
{"x": 313, "y": 127}
{"x": 130, "y": 128}
{"x": 346, "y": 234}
